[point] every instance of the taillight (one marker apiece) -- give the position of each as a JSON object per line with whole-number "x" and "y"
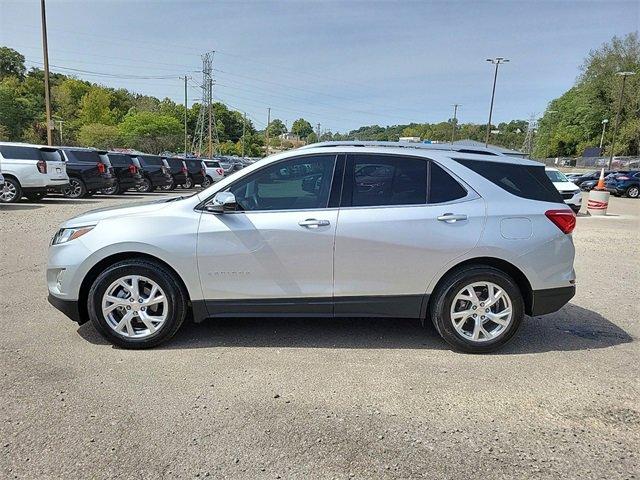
{"x": 101, "y": 167}
{"x": 42, "y": 166}
{"x": 133, "y": 169}
{"x": 565, "y": 220}
{"x": 219, "y": 171}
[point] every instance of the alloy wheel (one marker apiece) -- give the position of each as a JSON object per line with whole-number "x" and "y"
{"x": 135, "y": 307}
{"x": 145, "y": 186}
{"x": 8, "y": 192}
{"x": 633, "y": 192}
{"x": 74, "y": 189}
{"x": 110, "y": 190}
{"x": 188, "y": 183}
{"x": 481, "y": 311}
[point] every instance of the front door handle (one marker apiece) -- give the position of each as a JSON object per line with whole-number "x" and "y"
{"x": 452, "y": 217}
{"x": 313, "y": 223}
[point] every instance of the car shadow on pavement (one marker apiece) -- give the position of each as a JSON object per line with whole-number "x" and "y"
{"x": 19, "y": 206}
{"x": 572, "y": 328}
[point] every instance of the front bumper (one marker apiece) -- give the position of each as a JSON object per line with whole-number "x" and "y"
{"x": 550, "y": 300}
{"x": 68, "y": 307}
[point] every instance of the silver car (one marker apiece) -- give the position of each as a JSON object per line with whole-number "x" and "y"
{"x": 471, "y": 242}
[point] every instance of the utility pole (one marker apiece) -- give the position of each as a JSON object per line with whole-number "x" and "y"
{"x": 47, "y": 91}
{"x": 244, "y": 123}
{"x": 455, "y": 122}
{"x": 496, "y": 61}
{"x": 624, "y": 76}
{"x": 318, "y": 134}
{"x": 210, "y": 109}
{"x": 604, "y": 127}
{"x": 266, "y": 132}
{"x": 60, "y": 122}
{"x": 186, "y": 109}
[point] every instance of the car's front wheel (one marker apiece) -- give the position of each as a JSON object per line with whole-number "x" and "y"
{"x": 137, "y": 304}
{"x": 75, "y": 189}
{"x": 477, "y": 309}
{"x": 145, "y": 186}
{"x": 206, "y": 183}
{"x": 112, "y": 190}
{"x": 188, "y": 182}
{"x": 633, "y": 191}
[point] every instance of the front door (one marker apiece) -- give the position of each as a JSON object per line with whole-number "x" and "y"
{"x": 274, "y": 256}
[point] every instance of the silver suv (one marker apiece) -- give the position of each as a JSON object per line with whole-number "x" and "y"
{"x": 470, "y": 241}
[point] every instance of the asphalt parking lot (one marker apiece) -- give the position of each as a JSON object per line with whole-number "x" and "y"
{"x": 305, "y": 398}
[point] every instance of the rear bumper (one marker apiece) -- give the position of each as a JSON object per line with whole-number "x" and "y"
{"x": 550, "y": 300}
{"x": 68, "y": 307}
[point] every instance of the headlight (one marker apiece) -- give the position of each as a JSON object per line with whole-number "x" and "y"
{"x": 65, "y": 235}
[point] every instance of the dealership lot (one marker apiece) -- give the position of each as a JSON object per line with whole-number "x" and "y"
{"x": 304, "y": 398}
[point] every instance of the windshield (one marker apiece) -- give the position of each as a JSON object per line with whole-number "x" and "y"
{"x": 556, "y": 176}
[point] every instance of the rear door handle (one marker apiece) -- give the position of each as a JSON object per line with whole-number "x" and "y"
{"x": 313, "y": 223}
{"x": 452, "y": 217}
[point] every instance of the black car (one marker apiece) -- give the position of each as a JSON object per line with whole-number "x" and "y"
{"x": 195, "y": 172}
{"x": 126, "y": 172}
{"x": 89, "y": 171}
{"x": 178, "y": 171}
{"x": 594, "y": 175}
{"x": 154, "y": 172}
{"x": 625, "y": 184}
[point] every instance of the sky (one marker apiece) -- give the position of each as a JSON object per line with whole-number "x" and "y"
{"x": 341, "y": 64}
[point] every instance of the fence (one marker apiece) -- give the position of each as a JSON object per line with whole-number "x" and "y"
{"x": 618, "y": 163}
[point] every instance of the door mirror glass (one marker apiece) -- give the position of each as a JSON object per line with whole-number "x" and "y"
{"x": 222, "y": 202}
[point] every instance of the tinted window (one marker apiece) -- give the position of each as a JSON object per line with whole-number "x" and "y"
{"x": 149, "y": 160}
{"x": 20, "y": 153}
{"x": 377, "y": 180}
{"x": 442, "y": 186}
{"x": 526, "y": 181}
{"x": 51, "y": 155}
{"x": 119, "y": 160}
{"x": 87, "y": 156}
{"x": 212, "y": 164}
{"x": 300, "y": 183}
{"x": 175, "y": 163}
{"x": 193, "y": 165}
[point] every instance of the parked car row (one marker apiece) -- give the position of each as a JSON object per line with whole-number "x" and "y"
{"x": 32, "y": 171}
{"x": 618, "y": 182}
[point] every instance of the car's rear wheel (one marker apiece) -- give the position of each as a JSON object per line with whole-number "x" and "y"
{"x": 633, "y": 191}
{"x": 145, "y": 186}
{"x": 10, "y": 191}
{"x": 171, "y": 186}
{"x": 137, "y": 304}
{"x": 188, "y": 182}
{"x": 206, "y": 182}
{"x": 477, "y": 309}
{"x": 75, "y": 189}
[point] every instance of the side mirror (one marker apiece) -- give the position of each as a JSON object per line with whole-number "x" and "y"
{"x": 222, "y": 202}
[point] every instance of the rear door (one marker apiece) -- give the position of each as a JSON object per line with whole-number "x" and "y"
{"x": 401, "y": 220}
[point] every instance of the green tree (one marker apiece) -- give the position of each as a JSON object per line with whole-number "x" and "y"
{"x": 302, "y": 128}
{"x": 95, "y": 107}
{"x": 276, "y": 128}
{"x": 151, "y": 132}
{"x": 100, "y": 136}
{"x": 11, "y": 63}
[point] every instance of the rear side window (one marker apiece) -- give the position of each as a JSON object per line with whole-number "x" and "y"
{"x": 377, "y": 180}
{"x": 20, "y": 153}
{"x": 175, "y": 163}
{"x": 85, "y": 156}
{"x": 148, "y": 160}
{"x": 442, "y": 186}
{"x": 118, "y": 160}
{"x": 525, "y": 181}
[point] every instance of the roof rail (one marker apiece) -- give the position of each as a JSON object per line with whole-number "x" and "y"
{"x": 421, "y": 146}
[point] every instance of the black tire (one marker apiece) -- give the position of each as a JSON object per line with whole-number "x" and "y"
{"x": 177, "y": 301}
{"x": 146, "y": 186}
{"x": 207, "y": 182}
{"x": 171, "y": 186}
{"x": 188, "y": 182}
{"x": 440, "y": 307}
{"x": 10, "y": 191}
{"x": 75, "y": 189}
{"x": 633, "y": 191}
{"x": 113, "y": 190}
{"x": 35, "y": 196}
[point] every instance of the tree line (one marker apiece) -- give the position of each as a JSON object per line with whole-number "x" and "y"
{"x": 94, "y": 115}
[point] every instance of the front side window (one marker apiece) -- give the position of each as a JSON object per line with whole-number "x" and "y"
{"x": 296, "y": 184}
{"x": 378, "y": 180}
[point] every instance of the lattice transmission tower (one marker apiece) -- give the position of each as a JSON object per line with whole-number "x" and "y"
{"x": 527, "y": 145}
{"x": 206, "y": 133}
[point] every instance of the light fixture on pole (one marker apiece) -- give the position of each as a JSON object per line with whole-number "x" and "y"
{"x": 495, "y": 61}
{"x": 624, "y": 76}
{"x": 604, "y": 127}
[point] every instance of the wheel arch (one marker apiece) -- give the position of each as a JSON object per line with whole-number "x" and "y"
{"x": 504, "y": 266}
{"x": 104, "y": 263}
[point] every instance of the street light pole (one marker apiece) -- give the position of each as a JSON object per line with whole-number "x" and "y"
{"x": 604, "y": 127}
{"x": 455, "y": 122}
{"x": 624, "y": 76}
{"x": 496, "y": 61}
{"x": 47, "y": 91}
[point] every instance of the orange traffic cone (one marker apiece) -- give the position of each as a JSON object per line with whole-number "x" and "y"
{"x": 600, "y": 185}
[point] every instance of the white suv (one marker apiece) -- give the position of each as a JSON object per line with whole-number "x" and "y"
{"x": 471, "y": 242}
{"x": 213, "y": 172}
{"x": 569, "y": 191}
{"x": 29, "y": 171}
